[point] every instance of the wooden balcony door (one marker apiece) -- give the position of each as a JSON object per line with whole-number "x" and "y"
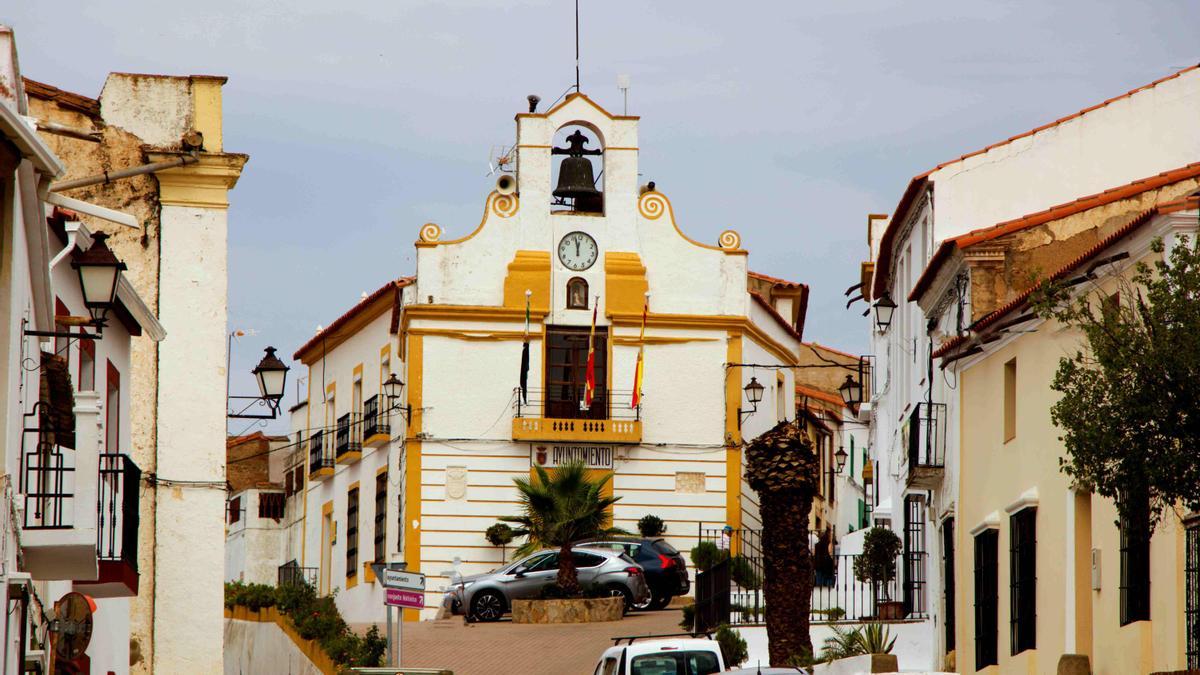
{"x": 566, "y": 373}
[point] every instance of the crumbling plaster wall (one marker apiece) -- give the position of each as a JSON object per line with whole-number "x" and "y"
{"x": 1028, "y": 256}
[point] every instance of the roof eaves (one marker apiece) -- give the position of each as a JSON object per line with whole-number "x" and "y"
{"x": 778, "y": 317}
{"x": 342, "y": 320}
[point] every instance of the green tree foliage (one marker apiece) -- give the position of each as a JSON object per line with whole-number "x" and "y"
{"x": 742, "y": 571}
{"x": 734, "y": 650}
{"x": 877, "y": 564}
{"x": 706, "y": 554}
{"x": 499, "y": 534}
{"x": 872, "y": 638}
{"x": 561, "y": 508}
{"x": 1130, "y": 406}
{"x": 651, "y": 526}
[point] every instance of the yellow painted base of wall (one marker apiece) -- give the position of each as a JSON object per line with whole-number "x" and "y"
{"x": 310, "y": 648}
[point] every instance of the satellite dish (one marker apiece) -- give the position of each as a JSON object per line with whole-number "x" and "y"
{"x": 71, "y": 628}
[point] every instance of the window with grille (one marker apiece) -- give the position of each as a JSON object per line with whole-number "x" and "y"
{"x": 1022, "y": 571}
{"x": 948, "y": 579}
{"x": 1135, "y": 565}
{"x": 914, "y": 555}
{"x": 270, "y": 505}
{"x": 986, "y": 598}
{"x": 352, "y": 533}
{"x": 566, "y": 373}
{"x": 235, "y": 510}
{"x": 380, "y": 515}
{"x": 1191, "y": 587}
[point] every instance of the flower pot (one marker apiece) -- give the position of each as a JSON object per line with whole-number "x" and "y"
{"x": 889, "y": 609}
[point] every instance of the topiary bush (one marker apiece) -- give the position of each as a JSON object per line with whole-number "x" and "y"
{"x": 877, "y": 563}
{"x": 651, "y": 526}
{"x": 499, "y": 534}
{"x": 706, "y": 554}
{"x": 688, "y": 622}
{"x": 734, "y": 649}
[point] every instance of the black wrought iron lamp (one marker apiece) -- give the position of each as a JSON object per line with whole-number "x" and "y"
{"x": 392, "y": 388}
{"x": 754, "y": 394}
{"x": 885, "y": 307}
{"x": 852, "y": 391}
{"x": 271, "y": 374}
{"x": 99, "y": 275}
{"x": 839, "y": 460}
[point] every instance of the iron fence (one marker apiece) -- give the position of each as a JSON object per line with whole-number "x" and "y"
{"x": 292, "y": 574}
{"x": 348, "y": 437}
{"x": 612, "y": 404}
{"x": 375, "y": 422}
{"x": 118, "y": 509}
{"x": 1191, "y": 610}
{"x": 319, "y": 456}
{"x": 837, "y": 595}
{"x": 927, "y": 436}
{"x": 47, "y": 478}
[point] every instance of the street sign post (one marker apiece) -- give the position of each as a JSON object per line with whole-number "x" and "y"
{"x": 410, "y": 581}
{"x": 399, "y": 597}
{"x": 401, "y": 589}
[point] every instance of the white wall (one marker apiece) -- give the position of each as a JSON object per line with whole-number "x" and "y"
{"x": 253, "y": 647}
{"x": 913, "y": 650}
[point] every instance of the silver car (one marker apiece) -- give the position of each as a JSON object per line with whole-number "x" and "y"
{"x": 487, "y": 597}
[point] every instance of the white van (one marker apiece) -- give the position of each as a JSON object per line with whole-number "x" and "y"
{"x": 678, "y": 656}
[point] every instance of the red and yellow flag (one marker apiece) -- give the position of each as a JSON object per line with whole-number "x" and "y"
{"x": 637, "y": 373}
{"x": 589, "y": 389}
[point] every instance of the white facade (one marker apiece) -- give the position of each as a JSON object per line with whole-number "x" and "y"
{"x": 454, "y": 336}
{"x": 1127, "y": 138}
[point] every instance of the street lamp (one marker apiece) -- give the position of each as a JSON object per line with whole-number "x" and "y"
{"x": 271, "y": 374}
{"x": 754, "y": 394}
{"x": 840, "y": 458}
{"x": 884, "y": 308}
{"x": 99, "y": 271}
{"x": 391, "y": 389}
{"x": 851, "y": 391}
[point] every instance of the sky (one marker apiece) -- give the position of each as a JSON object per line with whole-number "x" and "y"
{"x": 787, "y": 121}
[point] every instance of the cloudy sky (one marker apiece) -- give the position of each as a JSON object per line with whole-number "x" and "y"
{"x": 788, "y": 121}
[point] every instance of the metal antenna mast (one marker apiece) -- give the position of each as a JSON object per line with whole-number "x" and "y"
{"x": 577, "y": 46}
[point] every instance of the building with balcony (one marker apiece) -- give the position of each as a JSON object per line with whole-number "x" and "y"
{"x": 561, "y": 266}
{"x": 942, "y": 262}
{"x": 72, "y": 487}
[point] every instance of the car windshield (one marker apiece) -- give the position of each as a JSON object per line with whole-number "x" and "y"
{"x": 675, "y": 663}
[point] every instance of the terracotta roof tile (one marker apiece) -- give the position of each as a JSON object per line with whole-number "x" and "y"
{"x": 77, "y": 102}
{"x": 775, "y": 280}
{"x": 883, "y": 267}
{"x": 778, "y": 317}
{"x": 331, "y": 329}
{"x": 802, "y": 390}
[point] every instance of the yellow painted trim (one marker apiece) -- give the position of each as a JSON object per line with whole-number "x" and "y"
{"x": 653, "y": 204}
{"x": 356, "y": 374}
{"x": 368, "y": 572}
{"x": 501, "y": 206}
{"x": 321, "y": 474}
{"x": 205, "y": 184}
{"x": 329, "y": 538}
{"x": 625, "y": 283}
{"x": 716, "y": 322}
{"x": 532, "y": 146}
{"x": 657, "y": 340}
{"x": 595, "y": 431}
{"x": 580, "y": 95}
{"x": 310, "y": 648}
{"x": 469, "y": 313}
{"x": 733, "y": 435}
{"x": 474, "y": 335}
{"x": 349, "y": 457}
{"x": 376, "y": 440}
{"x": 618, "y": 147}
{"x": 412, "y": 461}
{"x": 529, "y": 270}
{"x": 206, "y": 110}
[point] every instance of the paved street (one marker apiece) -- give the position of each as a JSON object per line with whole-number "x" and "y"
{"x": 490, "y": 649}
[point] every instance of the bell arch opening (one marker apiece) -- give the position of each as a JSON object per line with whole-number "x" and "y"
{"x": 578, "y": 170}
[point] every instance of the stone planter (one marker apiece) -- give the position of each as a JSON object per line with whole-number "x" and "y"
{"x": 890, "y": 610}
{"x": 574, "y": 610}
{"x": 857, "y": 665}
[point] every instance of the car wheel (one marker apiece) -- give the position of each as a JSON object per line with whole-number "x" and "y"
{"x": 659, "y": 602}
{"x": 487, "y": 606}
{"x": 619, "y": 591}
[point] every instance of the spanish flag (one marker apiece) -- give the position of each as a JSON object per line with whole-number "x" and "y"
{"x": 589, "y": 389}
{"x": 637, "y": 373}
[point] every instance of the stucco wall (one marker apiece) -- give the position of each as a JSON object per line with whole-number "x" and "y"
{"x": 261, "y": 647}
{"x": 913, "y": 649}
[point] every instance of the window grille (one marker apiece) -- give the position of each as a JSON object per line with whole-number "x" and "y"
{"x": 1135, "y": 566}
{"x": 352, "y": 533}
{"x": 914, "y": 556}
{"x": 381, "y": 482}
{"x": 1023, "y": 580}
{"x": 566, "y": 373}
{"x": 1192, "y": 591}
{"x": 986, "y": 598}
{"x": 948, "y": 579}
{"x": 270, "y": 505}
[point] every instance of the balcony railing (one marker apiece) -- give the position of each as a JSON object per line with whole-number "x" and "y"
{"x": 376, "y": 429}
{"x": 320, "y": 457}
{"x": 348, "y": 441}
{"x": 611, "y": 419}
{"x": 118, "y": 520}
{"x": 926, "y": 432}
{"x": 292, "y": 574}
{"x": 47, "y": 475}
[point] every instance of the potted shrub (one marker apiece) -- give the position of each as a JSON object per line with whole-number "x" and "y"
{"x": 500, "y": 535}
{"x": 877, "y": 565}
{"x": 651, "y": 526}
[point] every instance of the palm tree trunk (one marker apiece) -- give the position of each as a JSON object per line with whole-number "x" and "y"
{"x": 568, "y": 576}
{"x": 789, "y": 577}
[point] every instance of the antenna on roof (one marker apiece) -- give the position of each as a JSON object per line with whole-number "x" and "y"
{"x": 576, "y": 46}
{"x": 623, "y": 85}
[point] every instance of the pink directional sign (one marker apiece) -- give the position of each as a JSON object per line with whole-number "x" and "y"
{"x": 399, "y": 597}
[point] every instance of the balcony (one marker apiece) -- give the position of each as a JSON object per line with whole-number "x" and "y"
{"x": 320, "y": 459}
{"x": 58, "y": 494}
{"x": 117, "y": 543}
{"x": 925, "y": 432}
{"x": 623, "y": 423}
{"x": 348, "y": 438}
{"x": 376, "y": 429}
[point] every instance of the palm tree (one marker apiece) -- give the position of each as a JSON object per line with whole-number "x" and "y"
{"x": 561, "y": 508}
{"x": 782, "y": 468}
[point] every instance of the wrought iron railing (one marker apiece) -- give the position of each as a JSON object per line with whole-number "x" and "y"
{"x": 567, "y": 403}
{"x": 118, "y": 515}
{"x": 349, "y": 434}
{"x": 927, "y": 436}
{"x": 837, "y": 595}
{"x": 318, "y": 456}
{"x": 47, "y": 475}
{"x": 292, "y": 574}
{"x": 375, "y": 422}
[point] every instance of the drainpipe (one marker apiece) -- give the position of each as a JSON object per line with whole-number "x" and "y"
{"x": 108, "y": 177}
{"x": 72, "y": 233}
{"x": 69, "y": 132}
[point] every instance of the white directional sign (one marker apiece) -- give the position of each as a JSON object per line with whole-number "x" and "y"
{"x": 413, "y": 581}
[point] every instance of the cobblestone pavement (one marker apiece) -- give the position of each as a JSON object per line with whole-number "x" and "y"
{"x": 505, "y": 648}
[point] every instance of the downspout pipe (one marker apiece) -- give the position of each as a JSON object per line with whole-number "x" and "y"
{"x": 110, "y": 176}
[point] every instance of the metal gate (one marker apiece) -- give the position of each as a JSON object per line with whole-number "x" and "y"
{"x": 712, "y": 597}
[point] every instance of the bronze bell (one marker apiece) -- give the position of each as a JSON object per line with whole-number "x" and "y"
{"x": 575, "y": 178}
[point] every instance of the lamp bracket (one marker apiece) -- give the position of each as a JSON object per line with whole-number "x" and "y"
{"x": 271, "y": 405}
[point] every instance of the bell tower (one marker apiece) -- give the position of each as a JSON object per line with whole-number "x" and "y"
{"x": 576, "y": 188}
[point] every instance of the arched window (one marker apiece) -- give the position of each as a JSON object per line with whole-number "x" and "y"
{"x": 578, "y": 176}
{"x": 577, "y": 293}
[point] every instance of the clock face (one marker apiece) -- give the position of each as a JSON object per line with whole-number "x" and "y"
{"x": 578, "y": 251}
